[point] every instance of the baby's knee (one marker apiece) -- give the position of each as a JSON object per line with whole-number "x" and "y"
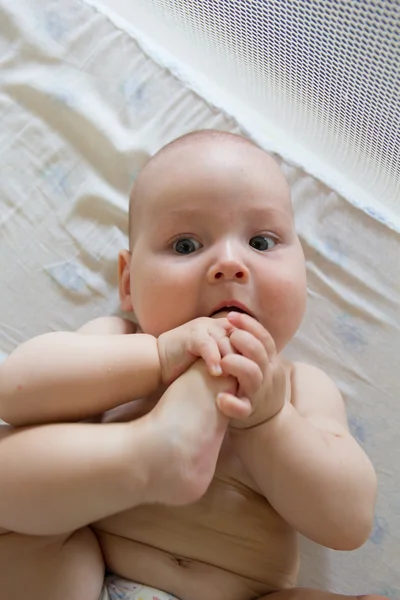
{"x": 47, "y": 565}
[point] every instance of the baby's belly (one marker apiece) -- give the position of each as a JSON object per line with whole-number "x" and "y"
{"x": 230, "y": 545}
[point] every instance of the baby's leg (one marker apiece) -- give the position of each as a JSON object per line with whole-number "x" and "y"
{"x": 67, "y": 567}
{"x": 188, "y": 432}
{"x": 62, "y": 566}
{"x": 310, "y": 594}
{"x": 58, "y": 477}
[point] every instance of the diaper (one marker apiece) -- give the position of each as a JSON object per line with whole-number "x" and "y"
{"x": 116, "y": 588}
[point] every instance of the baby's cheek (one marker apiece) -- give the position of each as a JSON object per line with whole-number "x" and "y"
{"x": 285, "y": 309}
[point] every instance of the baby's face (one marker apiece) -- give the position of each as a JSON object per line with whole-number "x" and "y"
{"x": 214, "y": 227}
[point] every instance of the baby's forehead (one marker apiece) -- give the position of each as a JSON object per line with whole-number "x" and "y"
{"x": 194, "y": 146}
{"x": 206, "y": 153}
{"x": 202, "y": 153}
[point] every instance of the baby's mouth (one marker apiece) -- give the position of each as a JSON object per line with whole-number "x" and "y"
{"x": 227, "y": 309}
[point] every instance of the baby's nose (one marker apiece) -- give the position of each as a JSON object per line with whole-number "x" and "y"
{"x": 228, "y": 270}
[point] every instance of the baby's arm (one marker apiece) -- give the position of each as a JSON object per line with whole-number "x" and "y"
{"x": 309, "y": 467}
{"x": 72, "y": 376}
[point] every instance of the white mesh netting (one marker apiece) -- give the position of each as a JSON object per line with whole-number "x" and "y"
{"x": 325, "y": 72}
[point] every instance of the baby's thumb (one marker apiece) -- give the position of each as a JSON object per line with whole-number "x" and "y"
{"x": 233, "y": 407}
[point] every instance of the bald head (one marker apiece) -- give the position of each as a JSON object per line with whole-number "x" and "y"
{"x": 198, "y": 147}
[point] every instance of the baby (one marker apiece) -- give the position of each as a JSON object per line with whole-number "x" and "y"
{"x": 181, "y": 454}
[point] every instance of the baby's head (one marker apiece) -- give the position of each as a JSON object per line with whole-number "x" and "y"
{"x": 211, "y": 225}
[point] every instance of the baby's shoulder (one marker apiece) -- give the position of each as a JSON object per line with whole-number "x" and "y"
{"x": 314, "y": 394}
{"x": 110, "y": 325}
{"x": 309, "y": 377}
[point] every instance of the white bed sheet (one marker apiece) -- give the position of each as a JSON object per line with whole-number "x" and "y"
{"x": 81, "y": 109}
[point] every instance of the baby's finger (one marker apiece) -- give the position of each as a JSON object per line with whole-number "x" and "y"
{"x": 206, "y": 347}
{"x": 248, "y": 345}
{"x": 233, "y": 407}
{"x": 243, "y": 321}
{"x": 225, "y": 346}
{"x": 220, "y": 331}
{"x": 222, "y": 325}
{"x": 247, "y": 372}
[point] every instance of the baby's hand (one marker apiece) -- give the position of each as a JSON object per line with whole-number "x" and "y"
{"x": 258, "y": 370}
{"x": 204, "y": 337}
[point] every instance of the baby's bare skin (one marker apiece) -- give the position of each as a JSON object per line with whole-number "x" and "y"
{"x": 178, "y": 499}
{"x": 189, "y": 551}
{"x": 229, "y": 545}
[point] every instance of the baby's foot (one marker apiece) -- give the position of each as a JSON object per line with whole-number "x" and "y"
{"x": 188, "y": 433}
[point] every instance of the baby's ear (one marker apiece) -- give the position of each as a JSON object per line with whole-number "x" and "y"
{"x": 124, "y": 280}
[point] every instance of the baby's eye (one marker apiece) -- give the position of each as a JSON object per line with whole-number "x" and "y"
{"x": 262, "y": 242}
{"x": 186, "y": 246}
